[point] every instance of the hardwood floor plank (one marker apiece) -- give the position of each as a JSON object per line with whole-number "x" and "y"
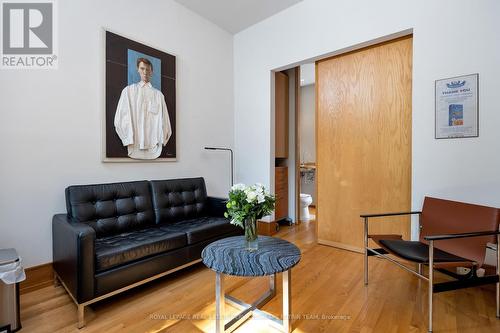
{"x": 328, "y": 295}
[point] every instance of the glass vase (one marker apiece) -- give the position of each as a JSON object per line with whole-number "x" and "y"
{"x": 251, "y": 242}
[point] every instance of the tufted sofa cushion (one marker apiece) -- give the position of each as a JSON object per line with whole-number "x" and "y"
{"x": 126, "y": 247}
{"x": 178, "y": 199}
{"x": 111, "y": 208}
{"x": 202, "y": 228}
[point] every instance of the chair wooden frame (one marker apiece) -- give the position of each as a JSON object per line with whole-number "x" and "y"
{"x": 470, "y": 280}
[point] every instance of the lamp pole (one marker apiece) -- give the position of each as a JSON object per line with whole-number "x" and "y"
{"x": 231, "y": 154}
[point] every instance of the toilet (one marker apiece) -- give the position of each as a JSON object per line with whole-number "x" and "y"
{"x": 305, "y": 201}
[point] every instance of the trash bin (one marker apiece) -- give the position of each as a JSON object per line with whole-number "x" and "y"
{"x": 11, "y": 273}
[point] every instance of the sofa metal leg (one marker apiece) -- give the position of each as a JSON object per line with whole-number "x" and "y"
{"x": 81, "y": 314}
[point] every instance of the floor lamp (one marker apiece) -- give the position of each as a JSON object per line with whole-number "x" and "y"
{"x": 231, "y": 152}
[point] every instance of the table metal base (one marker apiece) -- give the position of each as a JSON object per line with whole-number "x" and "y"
{"x": 249, "y": 310}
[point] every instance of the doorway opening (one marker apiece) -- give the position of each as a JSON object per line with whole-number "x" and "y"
{"x": 306, "y": 143}
{"x": 326, "y": 177}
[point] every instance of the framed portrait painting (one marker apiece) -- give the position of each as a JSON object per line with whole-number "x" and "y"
{"x": 140, "y": 102}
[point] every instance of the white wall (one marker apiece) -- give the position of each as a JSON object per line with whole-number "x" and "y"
{"x": 290, "y": 161}
{"x": 51, "y": 120}
{"x": 307, "y": 74}
{"x": 451, "y": 37}
{"x": 307, "y": 123}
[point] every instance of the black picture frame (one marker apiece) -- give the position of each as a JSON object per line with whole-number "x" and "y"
{"x": 117, "y": 78}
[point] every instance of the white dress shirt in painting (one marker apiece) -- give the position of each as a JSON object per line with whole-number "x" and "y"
{"x": 141, "y": 120}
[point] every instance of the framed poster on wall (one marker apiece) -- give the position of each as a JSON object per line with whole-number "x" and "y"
{"x": 140, "y": 109}
{"x": 457, "y": 107}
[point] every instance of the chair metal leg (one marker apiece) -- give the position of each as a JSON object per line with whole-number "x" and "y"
{"x": 81, "y": 316}
{"x": 431, "y": 278}
{"x": 366, "y": 250}
{"x": 419, "y": 269}
{"x": 219, "y": 303}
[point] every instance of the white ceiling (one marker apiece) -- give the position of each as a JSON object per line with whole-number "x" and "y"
{"x": 236, "y": 15}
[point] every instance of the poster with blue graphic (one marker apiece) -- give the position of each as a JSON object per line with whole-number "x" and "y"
{"x": 457, "y": 107}
{"x": 456, "y": 115}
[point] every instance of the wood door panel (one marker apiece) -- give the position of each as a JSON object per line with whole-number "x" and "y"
{"x": 281, "y": 112}
{"x": 363, "y": 141}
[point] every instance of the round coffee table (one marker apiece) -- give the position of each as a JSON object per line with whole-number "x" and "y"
{"x": 228, "y": 256}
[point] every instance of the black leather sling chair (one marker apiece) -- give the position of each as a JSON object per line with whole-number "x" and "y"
{"x": 452, "y": 234}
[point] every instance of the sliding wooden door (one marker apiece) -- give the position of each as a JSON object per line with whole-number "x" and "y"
{"x": 363, "y": 123}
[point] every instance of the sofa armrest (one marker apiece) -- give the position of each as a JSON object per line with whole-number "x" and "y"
{"x": 73, "y": 246}
{"x": 216, "y": 206}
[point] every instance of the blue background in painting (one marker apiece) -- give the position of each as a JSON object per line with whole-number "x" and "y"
{"x": 134, "y": 77}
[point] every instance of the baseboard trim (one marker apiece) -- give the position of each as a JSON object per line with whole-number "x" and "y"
{"x": 341, "y": 246}
{"x": 37, "y": 277}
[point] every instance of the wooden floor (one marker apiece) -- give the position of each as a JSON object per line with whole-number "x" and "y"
{"x": 328, "y": 295}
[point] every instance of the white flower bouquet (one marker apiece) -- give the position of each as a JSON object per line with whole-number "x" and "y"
{"x": 246, "y": 204}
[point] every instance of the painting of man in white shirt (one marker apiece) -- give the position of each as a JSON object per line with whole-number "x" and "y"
{"x": 141, "y": 119}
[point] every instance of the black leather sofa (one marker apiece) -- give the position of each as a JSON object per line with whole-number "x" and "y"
{"x": 116, "y": 236}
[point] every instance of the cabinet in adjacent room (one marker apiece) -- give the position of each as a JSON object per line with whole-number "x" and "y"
{"x": 281, "y": 191}
{"x": 281, "y": 112}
